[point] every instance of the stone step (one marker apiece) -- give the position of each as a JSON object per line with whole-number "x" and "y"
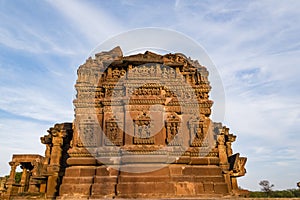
{"x": 149, "y": 188}
{"x": 82, "y": 171}
{"x": 135, "y": 179}
{"x": 78, "y": 180}
{"x": 166, "y": 181}
{"x": 75, "y": 189}
{"x": 100, "y": 190}
{"x": 155, "y": 189}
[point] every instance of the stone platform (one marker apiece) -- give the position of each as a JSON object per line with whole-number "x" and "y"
{"x": 180, "y": 180}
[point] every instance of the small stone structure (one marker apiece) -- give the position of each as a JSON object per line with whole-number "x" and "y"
{"x": 29, "y": 165}
{"x": 141, "y": 130}
{"x": 3, "y": 181}
{"x": 41, "y": 176}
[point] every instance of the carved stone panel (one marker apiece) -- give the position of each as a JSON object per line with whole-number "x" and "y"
{"x": 88, "y": 133}
{"x": 114, "y": 135}
{"x": 142, "y": 130}
{"x": 197, "y": 132}
{"x": 174, "y": 135}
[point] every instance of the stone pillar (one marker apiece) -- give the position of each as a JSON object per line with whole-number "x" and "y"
{"x": 47, "y": 154}
{"x": 56, "y": 151}
{"x": 229, "y": 149}
{"x": 54, "y": 166}
{"x": 234, "y": 183}
{"x": 51, "y": 186}
{"x": 230, "y": 139}
{"x": 224, "y": 159}
{"x": 11, "y": 179}
{"x": 47, "y": 140}
{"x": 23, "y": 180}
{"x": 13, "y": 166}
{"x": 43, "y": 188}
{"x": 222, "y": 152}
{"x": 35, "y": 172}
{"x": 76, "y": 142}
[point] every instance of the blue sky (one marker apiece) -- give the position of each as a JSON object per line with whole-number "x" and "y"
{"x": 254, "y": 45}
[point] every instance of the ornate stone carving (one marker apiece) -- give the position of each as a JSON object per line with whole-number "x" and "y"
{"x": 37, "y": 167}
{"x": 174, "y": 134}
{"x": 114, "y": 135}
{"x": 142, "y": 130}
{"x": 89, "y": 133}
{"x": 237, "y": 165}
{"x": 198, "y": 131}
{"x": 146, "y": 91}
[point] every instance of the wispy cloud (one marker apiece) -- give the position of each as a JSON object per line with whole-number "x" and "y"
{"x": 255, "y": 47}
{"x": 43, "y": 35}
{"x": 92, "y": 21}
{"x": 37, "y": 105}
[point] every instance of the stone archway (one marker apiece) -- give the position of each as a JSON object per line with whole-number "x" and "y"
{"x": 29, "y": 165}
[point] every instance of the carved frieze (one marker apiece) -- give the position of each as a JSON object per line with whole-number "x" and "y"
{"x": 135, "y": 84}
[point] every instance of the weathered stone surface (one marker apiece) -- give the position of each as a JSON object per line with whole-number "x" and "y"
{"x": 76, "y": 189}
{"x": 145, "y": 189}
{"x": 142, "y": 129}
{"x": 103, "y": 190}
{"x": 3, "y": 188}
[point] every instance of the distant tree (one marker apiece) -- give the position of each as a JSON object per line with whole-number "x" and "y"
{"x": 283, "y": 194}
{"x": 257, "y": 194}
{"x": 296, "y": 192}
{"x": 289, "y": 193}
{"x": 18, "y": 177}
{"x": 266, "y": 187}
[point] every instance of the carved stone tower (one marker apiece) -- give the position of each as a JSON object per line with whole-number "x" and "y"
{"x": 142, "y": 129}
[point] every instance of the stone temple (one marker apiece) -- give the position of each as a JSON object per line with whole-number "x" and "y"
{"x": 142, "y": 129}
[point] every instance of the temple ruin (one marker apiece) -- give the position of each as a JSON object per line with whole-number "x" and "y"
{"x": 142, "y": 129}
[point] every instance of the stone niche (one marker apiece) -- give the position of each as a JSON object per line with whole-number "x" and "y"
{"x": 142, "y": 129}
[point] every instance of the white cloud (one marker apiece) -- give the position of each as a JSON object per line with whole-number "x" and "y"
{"x": 262, "y": 106}
{"x": 35, "y": 103}
{"x": 34, "y": 38}
{"x": 93, "y": 22}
